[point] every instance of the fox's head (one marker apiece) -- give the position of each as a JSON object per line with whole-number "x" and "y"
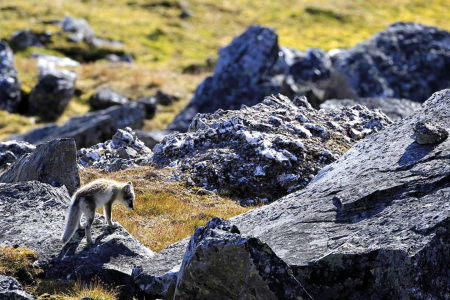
{"x": 128, "y": 195}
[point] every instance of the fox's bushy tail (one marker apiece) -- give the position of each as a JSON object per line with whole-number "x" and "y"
{"x": 72, "y": 221}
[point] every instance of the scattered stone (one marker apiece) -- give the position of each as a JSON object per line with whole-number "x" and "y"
{"x": 164, "y": 98}
{"x": 123, "y": 151}
{"x": 223, "y": 264}
{"x": 406, "y": 60}
{"x": 79, "y": 28}
{"x": 50, "y": 61}
{"x": 186, "y": 14}
{"x": 243, "y": 75}
{"x": 150, "y": 106}
{"x": 11, "y": 151}
{"x": 11, "y": 289}
{"x": 33, "y": 216}
{"x": 105, "y": 98}
{"x": 22, "y": 39}
{"x": 253, "y": 151}
{"x": 393, "y": 108}
{"x": 429, "y": 133}
{"x": 91, "y": 128}
{"x": 123, "y": 58}
{"x": 153, "y": 137}
{"x": 9, "y": 83}
{"x": 52, "y": 93}
{"x": 54, "y": 163}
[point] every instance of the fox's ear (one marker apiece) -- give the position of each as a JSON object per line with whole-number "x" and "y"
{"x": 130, "y": 183}
{"x": 127, "y": 188}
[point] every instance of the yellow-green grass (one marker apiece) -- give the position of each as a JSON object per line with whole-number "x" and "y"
{"x": 165, "y": 212}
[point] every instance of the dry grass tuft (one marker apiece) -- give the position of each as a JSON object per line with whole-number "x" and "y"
{"x": 165, "y": 212}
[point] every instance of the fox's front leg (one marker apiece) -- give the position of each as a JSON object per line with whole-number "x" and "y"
{"x": 107, "y": 211}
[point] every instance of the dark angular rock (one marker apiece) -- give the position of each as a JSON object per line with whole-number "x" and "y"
{"x": 105, "y": 98}
{"x": 150, "y": 106}
{"x": 123, "y": 151}
{"x": 373, "y": 225}
{"x": 267, "y": 150}
{"x": 22, "y": 39}
{"x": 315, "y": 65}
{"x": 54, "y": 163}
{"x": 10, "y": 151}
{"x": 220, "y": 263}
{"x": 10, "y": 289}
{"x": 429, "y": 133}
{"x": 9, "y": 84}
{"x": 407, "y": 60}
{"x": 164, "y": 98}
{"x": 52, "y": 93}
{"x": 33, "y": 216}
{"x": 91, "y": 128}
{"x": 153, "y": 137}
{"x": 393, "y": 108}
{"x": 243, "y": 75}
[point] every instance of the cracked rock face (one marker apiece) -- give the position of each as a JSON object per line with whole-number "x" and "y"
{"x": 10, "y": 151}
{"x": 11, "y": 289}
{"x": 373, "y": 225}
{"x": 53, "y": 162}
{"x": 9, "y": 83}
{"x": 123, "y": 151}
{"x": 91, "y": 128}
{"x": 406, "y": 60}
{"x": 393, "y": 108}
{"x": 243, "y": 75}
{"x": 267, "y": 150}
{"x": 33, "y": 216}
{"x": 220, "y": 263}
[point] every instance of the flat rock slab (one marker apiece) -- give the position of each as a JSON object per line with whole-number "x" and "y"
{"x": 33, "y": 216}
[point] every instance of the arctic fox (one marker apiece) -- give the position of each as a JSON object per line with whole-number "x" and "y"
{"x": 92, "y": 196}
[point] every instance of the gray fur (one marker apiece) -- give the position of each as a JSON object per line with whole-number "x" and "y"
{"x": 92, "y": 196}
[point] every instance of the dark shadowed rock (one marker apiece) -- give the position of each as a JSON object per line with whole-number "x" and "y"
{"x": 373, "y": 225}
{"x": 243, "y": 75}
{"x": 22, "y": 39}
{"x": 33, "y": 215}
{"x": 123, "y": 151}
{"x": 54, "y": 163}
{"x": 150, "y": 106}
{"x": 10, "y": 151}
{"x": 91, "y": 128}
{"x": 267, "y": 150}
{"x": 407, "y": 60}
{"x": 10, "y": 289}
{"x": 106, "y": 98}
{"x": 52, "y": 93}
{"x": 393, "y": 108}
{"x": 220, "y": 263}
{"x": 429, "y": 133}
{"x": 153, "y": 137}
{"x": 9, "y": 84}
{"x": 164, "y": 98}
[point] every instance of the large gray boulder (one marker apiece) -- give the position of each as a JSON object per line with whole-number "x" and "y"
{"x": 373, "y": 225}
{"x": 9, "y": 83}
{"x": 105, "y": 98}
{"x": 243, "y": 75}
{"x": 267, "y": 150}
{"x": 10, "y": 151}
{"x": 52, "y": 93}
{"x": 33, "y": 215}
{"x": 123, "y": 151}
{"x": 406, "y": 60}
{"x": 54, "y": 162}
{"x": 91, "y": 128}
{"x": 10, "y": 289}
{"x": 393, "y": 108}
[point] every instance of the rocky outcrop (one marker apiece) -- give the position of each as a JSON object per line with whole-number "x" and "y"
{"x": 105, "y": 98}
{"x": 267, "y": 150}
{"x": 407, "y": 60}
{"x": 220, "y": 263}
{"x": 243, "y": 75}
{"x": 52, "y": 93}
{"x": 53, "y": 163}
{"x": 11, "y": 289}
{"x": 9, "y": 83}
{"x": 10, "y": 151}
{"x": 393, "y": 108}
{"x": 91, "y": 128}
{"x": 33, "y": 216}
{"x": 123, "y": 151}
